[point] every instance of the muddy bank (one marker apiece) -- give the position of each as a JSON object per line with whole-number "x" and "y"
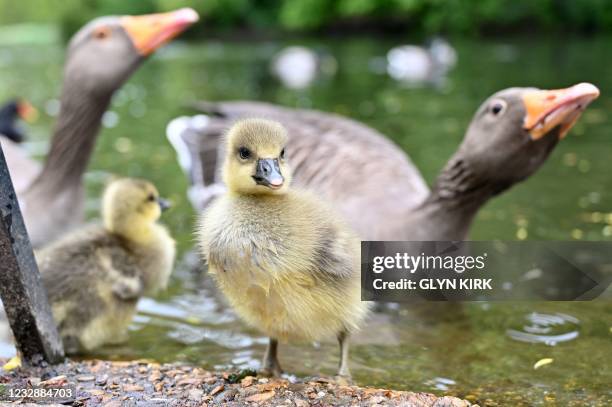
{"x": 141, "y": 383}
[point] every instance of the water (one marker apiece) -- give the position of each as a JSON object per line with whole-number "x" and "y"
{"x": 482, "y": 351}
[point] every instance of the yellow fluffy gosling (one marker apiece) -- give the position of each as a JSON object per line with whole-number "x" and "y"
{"x": 284, "y": 260}
{"x": 95, "y": 276}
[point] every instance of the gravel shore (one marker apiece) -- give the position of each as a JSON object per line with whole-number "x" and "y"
{"x": 143, "y": 383}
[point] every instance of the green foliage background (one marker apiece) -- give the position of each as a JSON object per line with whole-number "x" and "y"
{"x": 474, "y": 17}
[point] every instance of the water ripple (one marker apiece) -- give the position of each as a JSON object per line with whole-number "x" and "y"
{"x": 549, "y": 329}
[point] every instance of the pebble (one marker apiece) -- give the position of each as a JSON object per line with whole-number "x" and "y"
{"x": 196, "y": 394}
{"x": 132, "y": 387}
{"x": 217, "y": 389}
{"x": 261, "y": 397}
{"x": 247, "y": 381}
{"x": 101, "y": 380}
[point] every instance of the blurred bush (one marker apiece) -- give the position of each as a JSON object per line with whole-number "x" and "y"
{"x": 424, "y": 16}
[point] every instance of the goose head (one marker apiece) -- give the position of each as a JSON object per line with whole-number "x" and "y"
{"x": 130, "y": 206}
{"x": 103, "y": 54}
{"x": 515, "y": 130}
{"x": 255, "y": 160}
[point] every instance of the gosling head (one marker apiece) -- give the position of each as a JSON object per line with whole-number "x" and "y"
{"x": 130, "y": 204}
{"x": 255, "y": 158}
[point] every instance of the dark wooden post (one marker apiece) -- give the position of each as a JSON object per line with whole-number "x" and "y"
{"x": 23, "y": 296}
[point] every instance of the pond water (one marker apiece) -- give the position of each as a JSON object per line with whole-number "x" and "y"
{"x": 481, "y": 351}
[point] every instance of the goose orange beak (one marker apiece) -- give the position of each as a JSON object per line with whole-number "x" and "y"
{"x": 151, "y": 31}
{"x": 547, "y": 109}
{"x": 26, "y": 111}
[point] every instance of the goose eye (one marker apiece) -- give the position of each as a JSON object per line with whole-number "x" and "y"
{"x": 151, "y": 198}
{"x": 102, "y": 33}
{"x": 498, "y": 107}
{"x": 244, "y": 153}
{"x": 282, "y": 154}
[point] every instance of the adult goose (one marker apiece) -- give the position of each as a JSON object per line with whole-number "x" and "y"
{"x": 372, "y": 182}
{"x": 101, "y": 56}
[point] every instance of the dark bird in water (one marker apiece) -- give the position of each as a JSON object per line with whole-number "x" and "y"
{"x": 9, "y": 113}
{"x": 372, "y": 182}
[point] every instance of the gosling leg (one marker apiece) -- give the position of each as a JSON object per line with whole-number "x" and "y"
{"x": 271, "y": 366}
{"x": 343, "y": 368}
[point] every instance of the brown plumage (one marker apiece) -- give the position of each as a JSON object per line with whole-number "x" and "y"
{"x": 373, "y": 184}
{"x": 285, "y": 261}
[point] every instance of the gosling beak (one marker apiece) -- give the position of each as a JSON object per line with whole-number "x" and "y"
{"x": 151, "y": 31}
{"x": 268, "y": 173}
{"x": 164, "y": 204}
{"x": 27, "y": 112}
{"x": 547, "y": 109}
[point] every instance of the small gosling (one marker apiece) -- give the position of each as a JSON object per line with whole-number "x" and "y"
{"x": 95, "y": 276}
{"x": 284, "y": 260}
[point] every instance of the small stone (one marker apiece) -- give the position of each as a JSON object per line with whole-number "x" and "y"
{"x": 132, "y": 387}
{"x": 261, "y": 397}
{"x": 301, "y": 403}
{"x": 210, "y": 380}
{"x": 190, "y": 381}
{"x": 54, "y": 381}
{"x": 101, "y": 380}
{"x": 247, "y": 381}
{"x": 377, "y": 400}
{"x": 217, "y": 389}
{"x": 34, "y": 381}
{"x": 196, "y": 394}
{"x": 155, "y": 376}
{"x": 95, "y": 392}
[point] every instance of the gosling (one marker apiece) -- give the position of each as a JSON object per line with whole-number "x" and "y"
{"x": 95, "y": 276}
{"x": 283, "y": 259}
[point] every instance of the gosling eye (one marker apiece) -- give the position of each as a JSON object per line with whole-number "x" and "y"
{"x": 244, "y": 153}
{"x": 282, "y": 154}
{"x": 151, "y": 198}
{"x": 498, "y": 107}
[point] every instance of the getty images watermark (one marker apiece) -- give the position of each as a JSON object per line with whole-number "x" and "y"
{"x": 479, "y": 271}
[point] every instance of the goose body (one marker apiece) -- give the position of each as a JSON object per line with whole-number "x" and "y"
{"x": 285, "y": 261}
{"x": 371, "y": 181}
{"x": 51, "y": 195}
{"x": 95, "y": 275}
